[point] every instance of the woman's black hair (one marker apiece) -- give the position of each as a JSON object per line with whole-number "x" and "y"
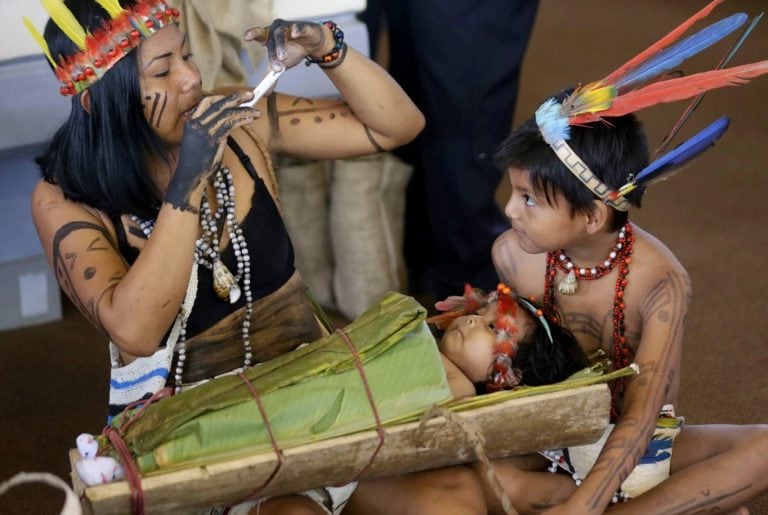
{"x": 100, "y": 158}
{"x": 613, "y": 150}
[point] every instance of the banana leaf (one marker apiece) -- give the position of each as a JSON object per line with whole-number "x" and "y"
{"x": 405, "y": 380}
{"x": 285, "y": 385}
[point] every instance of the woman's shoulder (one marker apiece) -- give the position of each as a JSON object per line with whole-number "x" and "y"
{"x": 51, "y": 210}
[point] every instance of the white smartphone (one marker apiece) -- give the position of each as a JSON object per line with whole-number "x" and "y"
{"x": 263, "y": 86}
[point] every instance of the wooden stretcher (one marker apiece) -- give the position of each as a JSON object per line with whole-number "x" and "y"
{"x": 575, "y": 416}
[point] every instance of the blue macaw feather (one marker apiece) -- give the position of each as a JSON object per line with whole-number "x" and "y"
{"x": 696, "y": 101}
{"x": 676, "y": 54}
{"x": 673, "y": 161}
{"x": 552, "y": 123}
{"x": 658, "y": 450}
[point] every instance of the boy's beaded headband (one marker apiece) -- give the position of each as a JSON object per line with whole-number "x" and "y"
{"x": 646, "y": 80}
{"x": 100, "y": 48}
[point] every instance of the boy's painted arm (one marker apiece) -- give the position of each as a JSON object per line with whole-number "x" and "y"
{"x": 663, "y": 310}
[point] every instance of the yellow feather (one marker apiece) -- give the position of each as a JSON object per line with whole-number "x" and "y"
{"x": 593, "y": 97}
{"x": 111, "y": 6}
{"x": 40, "y": 40}
{"x": 66, "y": 21}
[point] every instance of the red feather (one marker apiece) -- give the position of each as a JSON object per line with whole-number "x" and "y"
{"x": 675, "y": 89}
{"x": 660, "y": 44}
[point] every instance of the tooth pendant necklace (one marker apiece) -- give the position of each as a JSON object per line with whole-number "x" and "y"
{"x": 207, "y": 254}
{"x": 569, "y": 284}
{"x": 225, "y": 284}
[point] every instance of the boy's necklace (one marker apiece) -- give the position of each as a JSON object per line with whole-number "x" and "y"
{"x": 623, "y": 258}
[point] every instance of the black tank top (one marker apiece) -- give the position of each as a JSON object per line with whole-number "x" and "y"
{"x": 269, "y": 248}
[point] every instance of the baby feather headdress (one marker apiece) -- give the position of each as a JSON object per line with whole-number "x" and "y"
{"x": 100, "y": 47}
{"x": 645, "y": 80}
{"x": 501, "y": 374}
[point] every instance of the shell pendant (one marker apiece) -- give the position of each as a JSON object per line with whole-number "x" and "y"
{"x": 568, "y": 285}
{"x": 224, "y": 283}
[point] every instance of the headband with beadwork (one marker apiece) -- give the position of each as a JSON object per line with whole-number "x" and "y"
{"x": 102, "y": 47}
{"x": 501, "y": 374}
{"x": 646, "y": 80}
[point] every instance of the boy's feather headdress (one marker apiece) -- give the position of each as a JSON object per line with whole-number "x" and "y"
{"x": 645, "y": 80}
{"x": 100, "y": 48}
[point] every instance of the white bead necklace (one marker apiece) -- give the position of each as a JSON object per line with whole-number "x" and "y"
{"x": 207, "y": 254}
{"x": 557, "y": 461}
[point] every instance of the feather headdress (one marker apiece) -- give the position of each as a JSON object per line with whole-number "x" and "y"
{"x": 646, "y": 80}
{"x": 100, "y": 49}
{"x": 501, "y": 373}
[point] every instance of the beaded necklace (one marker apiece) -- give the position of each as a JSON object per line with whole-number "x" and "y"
{"x": 558, "y": 460}
{"x": 621, "y": 256}
{"x": 568, "y": 286}
{"x": 207, "y": 254}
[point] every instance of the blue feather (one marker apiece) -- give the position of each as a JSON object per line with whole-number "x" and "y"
{"x": 658, "y": 450}
{"x": 675, "y": 55}
{"x": 553, "y": 124}
{"x": 672, "y": 162}
{"x": 696, "y": 101}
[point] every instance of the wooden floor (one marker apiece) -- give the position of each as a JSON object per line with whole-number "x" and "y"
{"x": 53, "y": 378}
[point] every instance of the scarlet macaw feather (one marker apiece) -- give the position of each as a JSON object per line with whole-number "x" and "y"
{"x": 662, "y": 43}
{"x": 696, "y": 101}
{"x": 675, "y": 55}
{"x": 456, "y": 306}
{"x": 676, "y": 89}
{"x": 674, "y": 160}
{"x": 66, "y": 21}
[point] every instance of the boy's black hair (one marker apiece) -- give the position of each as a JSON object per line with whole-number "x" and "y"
{"x": 613, "y": 150}
{"x": 101, "y": 158}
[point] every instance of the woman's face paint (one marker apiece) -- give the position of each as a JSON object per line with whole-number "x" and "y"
{"x": 170, "y": 83}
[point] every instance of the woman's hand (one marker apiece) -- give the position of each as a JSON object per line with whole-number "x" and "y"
{"x": 203, "y": 143}
{"x": 288, "y": 42}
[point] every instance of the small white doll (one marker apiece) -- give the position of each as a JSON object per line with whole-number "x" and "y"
{"x": 93, "y": 469}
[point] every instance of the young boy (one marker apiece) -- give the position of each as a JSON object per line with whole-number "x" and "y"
{"x": 619, "y": 289}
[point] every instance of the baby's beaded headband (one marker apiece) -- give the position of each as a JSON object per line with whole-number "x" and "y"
{"x": 646, "y": 80}
{"x": 501, "y": 374}
{"x": 101, "y": 47}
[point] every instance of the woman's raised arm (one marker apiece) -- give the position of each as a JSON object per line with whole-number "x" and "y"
{"x": 375, "y": 114}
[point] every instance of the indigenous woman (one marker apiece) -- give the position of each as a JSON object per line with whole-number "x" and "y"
{"x": 158, "y": 209}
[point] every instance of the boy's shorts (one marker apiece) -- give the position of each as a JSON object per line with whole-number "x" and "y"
{"x": 653, "y": 467}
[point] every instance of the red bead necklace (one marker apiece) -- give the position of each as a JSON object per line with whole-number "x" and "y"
{"x": 621, "y": 256}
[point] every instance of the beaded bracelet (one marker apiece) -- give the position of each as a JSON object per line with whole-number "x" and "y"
{"x": 338, "y": 52}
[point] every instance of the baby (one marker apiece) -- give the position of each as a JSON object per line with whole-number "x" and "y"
{"x": 501, "y": 340}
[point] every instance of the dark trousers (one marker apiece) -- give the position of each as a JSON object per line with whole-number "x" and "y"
{"x": 460, "y": 62}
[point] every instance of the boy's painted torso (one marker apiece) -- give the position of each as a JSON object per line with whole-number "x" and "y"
{"x": 588, "y": 313}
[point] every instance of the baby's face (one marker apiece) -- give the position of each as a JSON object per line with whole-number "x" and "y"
{"x": 469, "y": 341}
